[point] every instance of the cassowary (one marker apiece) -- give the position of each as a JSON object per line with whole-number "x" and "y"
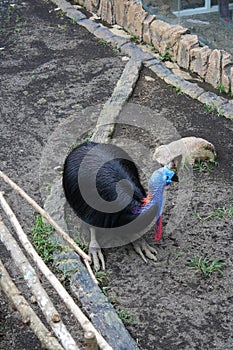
{"x": 102, "y": 185}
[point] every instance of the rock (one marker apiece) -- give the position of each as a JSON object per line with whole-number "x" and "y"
{"x": 134, "y": 19}
{"x": 227, "y": 64}
{"x": 170, "y": 38}
{"x": 182, "y": 74}
{"x": 148, "y": 78}
{"x": 146, "y": 35}
{"x": 171, "y": 65}
{"x": 158, "y": 28}
{"x": 87, "y": 4}
{"x": 226, "y": 110}
{"x": 184, "y": 47}
{"x": 105, "y": 11}
{"x": 199, "y": 60}
{"x": 125, "y": 58}
{"x": 120, "y": 10}
{"x": 213, "y": 75}
{"x": 209, "y": 98}
{"x": 191, "y": 149}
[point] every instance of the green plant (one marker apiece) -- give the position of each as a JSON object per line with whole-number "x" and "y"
{"x": 151, "y": 47}
{"x": 125, "y": 315}
{"x": 221, "y": 213}
{"x": 205, "y": 266}
{"x": 135, "y": 39}
{"x": 47, "y": 186}
{"x": 203, "y": 165}
{"x": 73, "y": 21}
{"x": 59, "y": 12}
{"x": 102, "y": 42}
{"x": 213, "y": 109}
{"x": 41, "y": 237}
{"x": 82, "y": 245}
{"x": 210, "y": 108}
{"x": 112, "y": 299}
{"x": 102, "y": 278}
{"x": 179, "y": 91}
{"x": 165, "y": 56}
{"x": 221, "y": 88}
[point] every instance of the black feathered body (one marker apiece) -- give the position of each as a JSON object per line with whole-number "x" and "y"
{"x": 113, "y": 165}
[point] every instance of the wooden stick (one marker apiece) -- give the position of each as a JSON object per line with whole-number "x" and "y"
{"x": 63, "y": 234}
{"x": 51, "y": 314}
{"x": 90, "y": 340}
{"x": 14, "y": 296}
{"x": 83, "y": 320}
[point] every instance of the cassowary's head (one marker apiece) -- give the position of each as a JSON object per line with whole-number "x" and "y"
{"x": 161, "y": 178}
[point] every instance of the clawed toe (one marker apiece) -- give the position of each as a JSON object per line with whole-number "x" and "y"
{"x": 97, "y": 258}
{"x": 145, "y": 250}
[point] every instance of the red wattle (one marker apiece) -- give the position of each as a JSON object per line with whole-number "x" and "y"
{"x": 158, "y": 231}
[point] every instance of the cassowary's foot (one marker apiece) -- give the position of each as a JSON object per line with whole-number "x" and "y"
{"x": 141, "y": 247}
{"x": 95, "y": 253}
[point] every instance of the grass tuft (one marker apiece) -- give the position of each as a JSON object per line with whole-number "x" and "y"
{"x": 41, "y": 236}
{"x": 221, "y": 213}
{"x": 125, "y": 315}
{"x": 205, "y": 266}
{"x": 165, "y": 56}
{"x": 102, "y": 278}
{"x": 204, "y": 166}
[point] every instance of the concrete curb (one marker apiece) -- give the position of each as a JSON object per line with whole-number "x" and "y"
{"x": 112, "y": 108}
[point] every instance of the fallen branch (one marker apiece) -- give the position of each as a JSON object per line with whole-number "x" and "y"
{"x": 83, "y": 320}
{"x": 46, "y": 216}
{"x": 30, "y": 276}
{"x": 90, "y": 340}
{"x": 28, "y": 315}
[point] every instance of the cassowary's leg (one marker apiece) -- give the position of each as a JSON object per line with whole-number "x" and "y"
{"x": 95, "y": 252}
{"x": 141, "y": 247}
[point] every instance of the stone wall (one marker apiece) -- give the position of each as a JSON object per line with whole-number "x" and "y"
{"x": 213, "y": 66}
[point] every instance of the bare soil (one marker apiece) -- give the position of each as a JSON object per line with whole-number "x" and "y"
{"x": 50, "y": 69}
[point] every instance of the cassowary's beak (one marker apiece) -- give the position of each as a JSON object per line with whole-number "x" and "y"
{"x": 173, "y": 166}
{"x": 175, "y": 178}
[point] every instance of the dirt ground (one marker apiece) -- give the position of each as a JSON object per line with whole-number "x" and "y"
{"x": 50, "y": 69}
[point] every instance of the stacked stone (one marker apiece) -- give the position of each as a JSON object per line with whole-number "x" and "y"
{"x": 213, "y": 66}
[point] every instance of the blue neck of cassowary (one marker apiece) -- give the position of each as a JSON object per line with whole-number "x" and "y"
{"x": 157, "y": 182}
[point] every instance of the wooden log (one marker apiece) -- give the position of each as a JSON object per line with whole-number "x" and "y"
{"x": 91, "y": 341}
{"x": 64, "y": 235}
{"x": 15, "y": 298}
{"x": 37, "y": 289}
{"x": 69, "y": 302}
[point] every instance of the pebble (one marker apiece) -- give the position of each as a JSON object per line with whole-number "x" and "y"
{"x": 148, "y": 78}
{"x": 125, "y": 59}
